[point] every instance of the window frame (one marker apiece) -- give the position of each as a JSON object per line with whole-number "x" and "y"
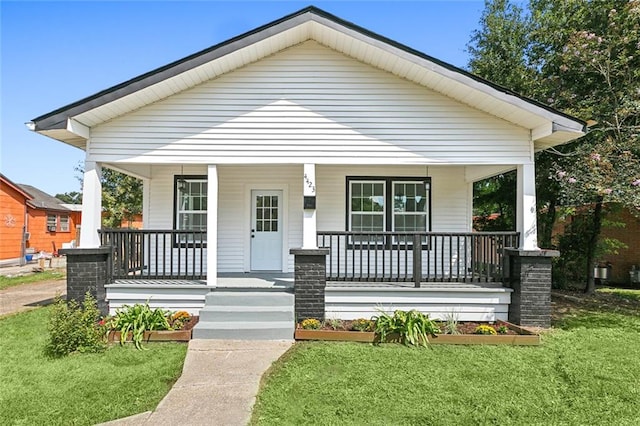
{"x": 55, "y": 224}
{"x": 389, "y": 213}
{"x": 176, "y": 211}
{"x": 66, "y": 228}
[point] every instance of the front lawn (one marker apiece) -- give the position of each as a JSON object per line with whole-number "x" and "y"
{"x": 78, "y": 389}
{"x": 56, "y": 274}
{"x": 622, "y": 293}
{"x": 586, "y": 372}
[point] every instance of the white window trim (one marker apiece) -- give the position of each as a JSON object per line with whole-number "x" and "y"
{"x": 383, "y": 213}
{"x": 178, "y": 211}
{"x": 425, "y": 214}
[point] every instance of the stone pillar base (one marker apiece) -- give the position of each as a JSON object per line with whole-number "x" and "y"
{"x": 310, "y": 282}
{"x": 88, "y": 270}
{"x": 529, "y": 275}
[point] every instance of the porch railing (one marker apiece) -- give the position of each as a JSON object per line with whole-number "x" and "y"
{"x": 156, "y": 254}
{"x": 416, "y": 257}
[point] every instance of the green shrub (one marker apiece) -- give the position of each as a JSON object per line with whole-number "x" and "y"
{"x": 412, "y": 327}
{"x": 503, "y": 329}
{"x": 74, "y": 328}
{"x": 136, "y": 320}
{"x": 362, "y": 324}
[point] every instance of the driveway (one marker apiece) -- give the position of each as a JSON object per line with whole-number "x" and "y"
{"x": 29, "y": 296}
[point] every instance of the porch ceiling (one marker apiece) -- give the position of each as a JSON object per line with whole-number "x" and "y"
{"x": 549, "y": 127}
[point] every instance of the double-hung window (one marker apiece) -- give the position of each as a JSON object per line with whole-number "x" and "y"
{"x": 397, "y": 204}
{"x": 52, "y": 222}
{"x": 191, "y": 207}
{"x": 64, "y": 223}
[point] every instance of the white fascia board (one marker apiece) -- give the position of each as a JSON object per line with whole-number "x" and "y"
{"x": 78, "y": 129}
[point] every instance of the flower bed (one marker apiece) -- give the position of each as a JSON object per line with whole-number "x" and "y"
{"x": 513, "y": 335}
{"x": 143, "y": 324}
{"x": 182, "y": 335}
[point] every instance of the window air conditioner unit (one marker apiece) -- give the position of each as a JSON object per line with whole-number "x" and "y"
{"x": 51, "y": 228}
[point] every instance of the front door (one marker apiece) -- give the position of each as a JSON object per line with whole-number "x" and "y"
{"x": 266, "y": 230}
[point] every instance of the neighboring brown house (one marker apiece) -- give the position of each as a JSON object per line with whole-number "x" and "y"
{"x": 621, "y": 263}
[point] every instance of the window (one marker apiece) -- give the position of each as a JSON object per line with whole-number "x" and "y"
{"x": 52, "y": 222}
{"x": 377, "y": 204}
{"x": 64, "y": 223}
{"x": 191, "y": 205}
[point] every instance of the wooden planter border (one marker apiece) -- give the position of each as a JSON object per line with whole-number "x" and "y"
{"x": 526, "y": 338}
{"x": 156, "y": 336}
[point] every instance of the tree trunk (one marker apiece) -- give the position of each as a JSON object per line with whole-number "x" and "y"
{"x": 546, "y": 220}
{"x": 592, "y": 244}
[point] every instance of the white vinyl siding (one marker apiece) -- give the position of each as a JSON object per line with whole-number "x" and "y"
{"x": 309, "y": 104}
{"x": 233, "y": 200}
{"x": 450, "y": 209}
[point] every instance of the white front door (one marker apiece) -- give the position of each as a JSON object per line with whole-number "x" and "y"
{"x": 266, "y": 230}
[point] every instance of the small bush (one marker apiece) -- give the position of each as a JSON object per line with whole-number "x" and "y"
{"x": 503, "y": 329}
{"x": 136, "y": 320}
{"x": 74, "y": 328}
{"x": 178, "y": 320}
{"x": 362, "y": 324}
{"x": 413, "y": 327}
{"x": 310, "y": 324}
{"x": 334, "y": 324}
{"x": 485, "y": 329}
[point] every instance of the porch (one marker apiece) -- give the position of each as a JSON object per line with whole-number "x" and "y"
{"x": 444, "y": 274}
{"x": 359, "y": 257}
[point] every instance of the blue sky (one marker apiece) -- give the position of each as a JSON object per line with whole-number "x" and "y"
{"x": 54, "y": 53}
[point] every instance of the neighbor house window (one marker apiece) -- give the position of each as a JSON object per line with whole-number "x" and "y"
{"x": 52, "y": 222}
{"x": 64, "y": 223}
{"x": 191, "y": 206}
{"x": 388, "y": 204}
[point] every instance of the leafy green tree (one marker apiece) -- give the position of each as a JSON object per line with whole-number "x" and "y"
{"x": 494, "y": 202}
{"x": 72, "y": 197}
{"x": 121, "y": 196}
{"x": 581, "y": 57}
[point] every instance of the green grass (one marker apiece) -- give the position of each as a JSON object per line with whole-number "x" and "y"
{"x": 622, "y": 293}
{"x": 6, "y": 282}
{"x": 586, "y": 372}
{"x": 79, "y": 389}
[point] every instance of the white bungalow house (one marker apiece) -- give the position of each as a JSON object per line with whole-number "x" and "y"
{"x": 310, "y": 132}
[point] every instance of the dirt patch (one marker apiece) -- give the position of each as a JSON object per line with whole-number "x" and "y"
{"x": 566, "y": 302}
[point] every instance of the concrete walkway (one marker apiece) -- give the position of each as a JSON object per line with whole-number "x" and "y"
{"x": 30, "y": 296}
{"x": 218, "y": 386}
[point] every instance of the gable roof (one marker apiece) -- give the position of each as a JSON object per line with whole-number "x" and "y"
{"x": 72, "y": 123}
{"x": 15, "y": 187}
{"x": 42, "y": 200}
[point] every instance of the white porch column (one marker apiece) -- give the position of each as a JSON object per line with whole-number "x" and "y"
{"x": 309, "y": 238}
{"x": 91, "y": 205}
{"x": 212, "y": 225}
{"x": 146, "y": 199}
{"x": 526, "y": 223}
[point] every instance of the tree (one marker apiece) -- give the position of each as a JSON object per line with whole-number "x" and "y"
{"x": 494, "y": 202}
{"x": 581, "y": 57}
{"x": 121, "y": 196}
{"x": 72, "y": 197}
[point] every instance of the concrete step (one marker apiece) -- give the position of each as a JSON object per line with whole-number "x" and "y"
{"x": 249, "y": 297}
{"x": 246, "y": 313}
{"x": 251, "y": 330}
